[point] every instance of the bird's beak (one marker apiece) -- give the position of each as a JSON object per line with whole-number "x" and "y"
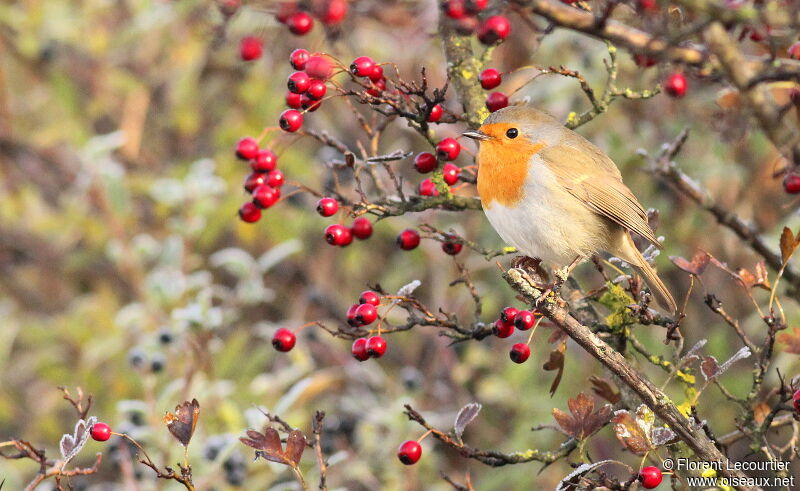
{"x": 476, "y": 135}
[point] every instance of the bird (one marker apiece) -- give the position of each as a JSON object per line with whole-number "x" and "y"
{"x": 556, "y": 197}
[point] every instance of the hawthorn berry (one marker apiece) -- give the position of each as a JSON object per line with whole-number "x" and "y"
{"x": 675, "y": 85}
{"x": 409, "y": 452}
{"x": 425, "y": 162}
{"x": 650, "y": 476}
{"x": 376, "y": 345}
{"x": 495, "y": 28}
{"x": 466, "y": 25}
{"x": 490, "y": 78}
{"x": 293, "y": 100}
{"x": 316, "y": 89}
{"x": 791, "y": 184}
{"x": 455, "y": 9}
{"x": 265, "y": 196}
{"x": 361, "y": 228}
{"x": 377, "y": 73}
{"x": 436, "y": 114}
{"x": 366, "y": 313}
{"x": 643, "y": 61}
{"x": 475, "y": 6}
{"x": 291, "y": 120}
{"x": 524, "y": 320}
{"x": 327, "y": 207}
{"x": 285, "y": 9}
{"x": 276, "y": 178}
{"x": 520, "y": 353}
{"x": 254, "y": 180}
{"x": 796, "y": 400}
{"x": 298, "y": 58}
{"x": 509, "y": 314}
{"x": 229, "y": 7}
{"x": 495, "y": 101}
{"x": 300, "y": 23}
{"x": 100, "y": 432}
{"x": 264, "y": 161}
{"x": 452, "y": 247}
{"x": 283, "y": 340}
{"x": 250, "y": 48}
{"x": 318, "y": 66}
{"x": 408, "y": 239}
{"x": 503, "y": 329}
{"x": 362, "y": 66}
{"x": 451, "y": 173}
{"x": 756, "y": 35}
{"x": 338, "y": 235}
{"x": 351, "y": 316}
{"x": 648, "y": 5}
{"x": 378, "y": 86}
{"x": 370, "y": 297}
{"x": 448, "y": 149}
{"x": 334, "y": 12}
{"x": 427, "y": 188}
{"x": 309, "y": 104}
{"x": 359, "y": 349}
{"x": 298, "y": 82}
{"x": 247, "y": 148}
{"x": 794, "y": 51}
{"x": 249, "y": 213}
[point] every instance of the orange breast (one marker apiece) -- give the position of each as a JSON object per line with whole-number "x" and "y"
{"x": 503, "y": 165}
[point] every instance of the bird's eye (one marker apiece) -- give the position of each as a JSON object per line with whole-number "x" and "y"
{"x": 512, "y": 133}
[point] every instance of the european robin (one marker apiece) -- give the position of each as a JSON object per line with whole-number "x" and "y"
{"x": 556, "y": 197}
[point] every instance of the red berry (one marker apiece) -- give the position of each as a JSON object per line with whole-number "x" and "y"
{"x": 791, "y": 184}
{"x": 475, "y": 6}
{"x": 100, "y": 432}
{"x": 276, "y": 178}
{"x": 490, "y": 78}
{"x": 283, "y": 340}
{"x": 249, "y": 213}
{"x": 376, "y": 345}
{"x": 496, "y": 100}
{"x": 291, "y": 120}
{"x": 300, "y": 23}
{"x": 455, "y": 9}
{"x": 448, "y": 149}
{"x": 650, "y": 476}
{"x": 794, "y": 96}
{"x": 250, "y": 48}
{"x": 229, "y": 7}
{"x": 451, "y": 173}
{"x": 327, "y": 207}
{"x": 494, "y": 29}
{"x": 648, "y": 5}
{"x": 334, "y": 12}
{"x": 293, "y": 100}
{"x": 309, "y": 104}
{"x": 298, "y": 58}
{"x": 361, "y": 228}
{"x": 509, "y": 314}
{"x": 285, "y": 9}
{"x": 377, "y": 73}
{"x": 794, "y": 51}
{"x": 503, "y": 329}
{"x": 265, "y": 196}
{"x": 298, "y": 82}
{"x": 524, "y": 320}
{"x": 436, "y": 113}
{"x": 520, "y": 352}
{"x": 427, "y": 188}
{"x": 319, "y": 67}
{"x": 338, "y": 235}
{"x": 366, "y": 313}
{"x": 247, "y": 148}
{"x": 362, "y": 66}
{"x": 264, "y": 161}
{"x": 643, "y": 61}
{"x": 409, "y": 452}
{"x": 756, "y": 35}
{"x": 359, "y": 349}
{"x": 424, "y": 162}
{"x": 569, "y": 2}
{"x": 451, "y": 247}
{"x": 351, "y": 316}
{"x": 408, "y": 239}
{"x": 378, "y": 86}
{"x": 675, "y": 85}
{"x": 254, "y": 180}
{"x": 796, "y": 401}
{"x": 370, "y": 297}
{"x": 466, "y": 25}
{"x": 316, "y": 89}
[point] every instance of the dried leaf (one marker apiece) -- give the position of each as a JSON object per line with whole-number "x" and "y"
{"x": 267, "y": 445}
{"x": 791, "y": 341}
{"x": 571, "y": 480}
{"x": 465, "y": 417}
{"x": 583, "y": 420}
{"x": 295, "y": 444}
{"x": 407, "y": 290}
{"x": 661, "y": 435}
{"x": 183, "y": 422}
{"x": 637, "y": 431}
{"x": 712, "y": 369}
{"x": 556, "y": 362}
{"x": 698, "y": 264}
{"x": 603, "y": 388}
{"x": 692, "y": 355}
{"x": 742, "y": 354}
{"x": 758, "y": 279}
{"x": 760, "y": 412}
{"x": 789, "y": 244}
{"x": 71, "y": 445}
{"x": 709, "y": 367}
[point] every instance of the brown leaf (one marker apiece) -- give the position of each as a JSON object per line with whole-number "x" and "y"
{"x": 710, "y": 367}
{"x": 698, "y": 264}
{"x": 267, "y": 445}
{"x": 789, "y": 244}
{"x": 556, "y": 362}
{"x": 583, "y": 420}
{"x": 295, "y": 444}
{"x": 791, "y": 340}
{"x": 184, "y": 421}
{"x": 603, "y": 388}
{"x": 630, "y": 433}
{"x": 760, "y": 278}
{"x": 760, "y": 412}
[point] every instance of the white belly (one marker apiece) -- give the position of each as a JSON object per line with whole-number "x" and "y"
{"x": 548, "y": 223}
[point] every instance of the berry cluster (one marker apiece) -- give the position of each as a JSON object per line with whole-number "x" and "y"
{"x": 264, "y": 182}
{"x": 425, "y": 162}
{"x": 490, "y": 79}
{"x": 523, "y": 320}
{"x": 300, "y": 22}
{"x": 364, "y": 313}
{"x": 466, "y": 16}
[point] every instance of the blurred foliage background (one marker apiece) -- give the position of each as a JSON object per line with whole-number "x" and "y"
{"x": 125, "y": 271}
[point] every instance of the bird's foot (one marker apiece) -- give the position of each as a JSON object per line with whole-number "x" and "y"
{"x": 531, "y": 265}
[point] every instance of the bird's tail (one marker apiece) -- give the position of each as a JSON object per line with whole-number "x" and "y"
{"x": 630, "y": 254}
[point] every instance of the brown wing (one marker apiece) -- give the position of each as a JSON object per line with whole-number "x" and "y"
{"x": 589, "y": 175}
